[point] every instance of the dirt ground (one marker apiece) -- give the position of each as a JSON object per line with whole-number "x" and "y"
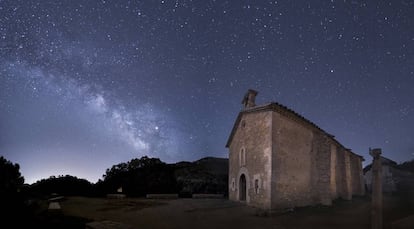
{"x": 222, "y": 213}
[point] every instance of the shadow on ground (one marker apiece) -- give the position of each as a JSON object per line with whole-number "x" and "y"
{"x": 213, "y": 213}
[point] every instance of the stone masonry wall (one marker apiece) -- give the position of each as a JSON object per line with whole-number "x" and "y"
{"x": 292, "y": 163}
{"x": 340, "y": 173}
{"x": 357, "y": 189}
{"x": 361, "y": 175}
{"x": 334, "y": 165}
{"x": 322, "y": 147}
{"x": 289, "y": 163}
{"x": 348, "y": 177}
{"x": 253, "y": 135}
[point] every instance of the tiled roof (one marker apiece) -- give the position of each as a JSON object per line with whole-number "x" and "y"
{"x": 281, "y": 109}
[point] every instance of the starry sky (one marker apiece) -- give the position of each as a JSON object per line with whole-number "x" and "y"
{"x": 89, "y": 84}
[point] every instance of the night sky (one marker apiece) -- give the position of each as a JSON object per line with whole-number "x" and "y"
{"x": 89, "y": 84}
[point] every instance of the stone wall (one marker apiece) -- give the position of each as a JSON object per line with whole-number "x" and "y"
{"x": 356, "y": 175}
{"x": 322, "y": 147}
{"x": 345, "y": 180}
{"x": 388, "y": 181}
{"x": 253, "y": 136}
{"x": 340, "y": 172}
{"x": 348, "y": 178}
{"x": 289, "y": 162}
{"x": 292, "y": 163}
{"x": 334, "y": 165}
{"x": 361, "y": 175}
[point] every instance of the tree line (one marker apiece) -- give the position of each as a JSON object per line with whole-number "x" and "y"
{"x": 137, "y": 177}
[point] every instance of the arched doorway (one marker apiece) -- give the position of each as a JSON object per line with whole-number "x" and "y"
{"x": 242, "y": 188}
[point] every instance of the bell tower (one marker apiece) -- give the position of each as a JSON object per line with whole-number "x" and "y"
{"x": 249, "y": 99}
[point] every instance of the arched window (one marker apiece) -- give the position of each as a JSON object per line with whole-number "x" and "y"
{"x": 257, "y": 183}
{"x": 242, "y": 157}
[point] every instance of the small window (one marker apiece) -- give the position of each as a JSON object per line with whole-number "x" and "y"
{"x": 243, "y": 123}
{"x": 256, "y": 186}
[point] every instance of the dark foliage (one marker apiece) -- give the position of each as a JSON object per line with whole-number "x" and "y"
{"x": 139, "y": 177}
{"x": 11, "y": 198}
{"x": 407, "y": 166}
{"x": 62, "y": 185}
{"x": 20, "y": 210}
{"x": 150, "y": 175}
{"x": 10, "y": 178}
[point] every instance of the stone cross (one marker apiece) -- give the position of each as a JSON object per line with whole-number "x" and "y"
{"x": 376, "y": 207}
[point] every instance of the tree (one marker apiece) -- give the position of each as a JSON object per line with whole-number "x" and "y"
{"x": 139, "y": 177}
{"x": 63, "y": 185}
{"x": 10, "y": 178}
{"x": 11, "y": 181}
{"x": 407, "y": 166}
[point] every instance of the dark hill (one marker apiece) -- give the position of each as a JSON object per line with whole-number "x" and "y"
{"x": 207, "y": 175}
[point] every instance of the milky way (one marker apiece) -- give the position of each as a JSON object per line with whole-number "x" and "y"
{"x": 88, "y": 84}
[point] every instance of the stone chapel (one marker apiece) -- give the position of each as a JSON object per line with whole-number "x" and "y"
{"x": 279, "y": 159}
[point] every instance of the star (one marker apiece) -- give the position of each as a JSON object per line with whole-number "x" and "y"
{"x": 165, "y": 79}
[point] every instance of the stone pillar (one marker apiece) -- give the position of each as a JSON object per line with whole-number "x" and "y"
{"x": 324, "y": 170}
{"x": 376, "y": 207}
{"x": 348, "y": 176}
{"x": 361, "y": 176}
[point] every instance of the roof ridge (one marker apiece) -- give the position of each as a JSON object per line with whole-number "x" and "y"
{"x": 275, "y": 106}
